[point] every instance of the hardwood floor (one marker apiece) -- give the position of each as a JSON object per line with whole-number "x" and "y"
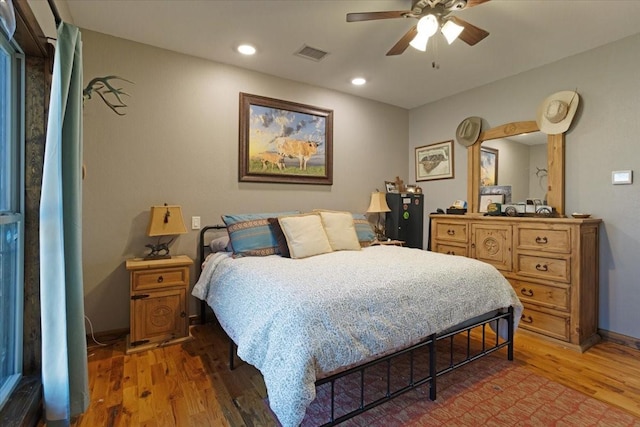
{"x": 189, "y": 384}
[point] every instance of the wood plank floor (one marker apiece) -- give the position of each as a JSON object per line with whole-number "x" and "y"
{"x": 189, "y": 384}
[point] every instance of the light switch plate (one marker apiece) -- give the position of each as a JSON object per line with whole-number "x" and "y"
{"x": 195, "y": 223}
{"x": 622, "y": 177}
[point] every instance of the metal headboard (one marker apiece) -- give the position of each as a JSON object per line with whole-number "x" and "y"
{"x": 203, "y": 251}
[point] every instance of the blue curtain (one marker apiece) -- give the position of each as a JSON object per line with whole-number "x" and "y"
{"x": 64, "y": 349}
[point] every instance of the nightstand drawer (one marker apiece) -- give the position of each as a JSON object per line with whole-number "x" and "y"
{"x": 152, "y": 279}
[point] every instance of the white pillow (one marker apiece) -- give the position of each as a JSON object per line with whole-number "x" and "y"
{"x": 341, "y": 230}
{"x": 305, "y": 235}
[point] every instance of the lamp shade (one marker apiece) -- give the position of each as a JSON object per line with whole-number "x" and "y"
{"x": 166, "y": 221}
{"x": 378, "y": 203}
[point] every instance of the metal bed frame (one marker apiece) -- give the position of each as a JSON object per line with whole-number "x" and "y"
{"x": 436, "y": 367}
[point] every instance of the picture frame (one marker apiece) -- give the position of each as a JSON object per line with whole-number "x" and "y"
{"x": 435, "y": 161}
{"x": 284, "y": 142}
{"x": 488, "y": 166}
{"x": 390, "y": 186}
{"x": 487, "y": 199}
{"x": 505, "y": 190}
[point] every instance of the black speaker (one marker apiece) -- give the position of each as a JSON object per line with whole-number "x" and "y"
{"x": 405, "y": 221}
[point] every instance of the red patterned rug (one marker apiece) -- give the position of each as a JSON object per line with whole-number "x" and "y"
{"x": 488, "y": 392}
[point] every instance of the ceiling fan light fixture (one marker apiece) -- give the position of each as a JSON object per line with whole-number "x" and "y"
{"x": 451, "y": 31}
{"x": 420, "y": 42}
{"x": 428, "y": 25}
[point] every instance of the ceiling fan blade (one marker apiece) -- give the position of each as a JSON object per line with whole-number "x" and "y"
{"x": 471, "y": 34}
{"x": 403, "y": 43}
{"x": 471, "y": 3}
{"x": 370, "y": 16}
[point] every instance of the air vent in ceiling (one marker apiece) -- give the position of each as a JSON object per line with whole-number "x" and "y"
{"x": 311, "y": 53}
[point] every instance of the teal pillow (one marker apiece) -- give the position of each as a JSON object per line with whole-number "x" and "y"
{"x": 365, "y": 233}
{"x": 251, "y": 234}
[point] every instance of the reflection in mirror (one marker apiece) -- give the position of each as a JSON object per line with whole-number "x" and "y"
{"x": 520, "y": 162}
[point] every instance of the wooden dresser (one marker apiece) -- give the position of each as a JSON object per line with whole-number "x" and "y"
{"x": 552, "y": 264}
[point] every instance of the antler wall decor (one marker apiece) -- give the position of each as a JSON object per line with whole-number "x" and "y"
{"x": 103, "y": 87}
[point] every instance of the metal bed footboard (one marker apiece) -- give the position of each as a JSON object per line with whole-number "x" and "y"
{"x": 434, "y": 371}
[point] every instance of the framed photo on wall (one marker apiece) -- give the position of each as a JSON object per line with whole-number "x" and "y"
{"x": 488, "y": 166}
{"x": 434, "y": 161}
{"x": 284, "y": 142}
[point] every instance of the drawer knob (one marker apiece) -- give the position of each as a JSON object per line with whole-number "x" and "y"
{"x": 160, "y": 279}
{"x": 526, "y": 292}
{"x": 526, "y": 319}
{"x": 451, "y": 253}
{"x": 541, "y": 240}
{"x": 451, "y": 232}
{"x": 183, "y": 314}
{"x": 540, "y": 267}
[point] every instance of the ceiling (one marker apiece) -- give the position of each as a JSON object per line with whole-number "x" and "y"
{"x": 524, "y": 35}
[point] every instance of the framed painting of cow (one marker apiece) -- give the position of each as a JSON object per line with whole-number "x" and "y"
{"x": 284, "y": 142}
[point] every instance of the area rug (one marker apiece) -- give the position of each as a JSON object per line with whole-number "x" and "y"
{"x": 488, "y": 392}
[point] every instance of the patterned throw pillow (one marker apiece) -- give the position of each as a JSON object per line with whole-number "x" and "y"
{"x": 251, "y": 234}
{"x": 365, "y": 233}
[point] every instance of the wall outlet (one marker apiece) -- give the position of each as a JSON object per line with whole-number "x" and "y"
{"x": 195, "y": 223}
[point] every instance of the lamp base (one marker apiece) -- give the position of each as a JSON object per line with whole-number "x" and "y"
{"x": 157, "y": 249}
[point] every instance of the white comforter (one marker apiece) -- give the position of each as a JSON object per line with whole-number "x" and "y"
{"x": 297, "y": 319}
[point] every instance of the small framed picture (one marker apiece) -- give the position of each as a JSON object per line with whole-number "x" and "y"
{"x": 487, "y": 199}
{"x": 434, "y": 161}
{"x": 390, "y": 186}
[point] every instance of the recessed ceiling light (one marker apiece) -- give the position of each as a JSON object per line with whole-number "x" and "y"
{"x": 246, "y": 49}
{"x": 358, "y": 81}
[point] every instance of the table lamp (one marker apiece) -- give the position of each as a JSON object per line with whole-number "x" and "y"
{"x": 379, "y": 204}
{"x": 164, "y": 221}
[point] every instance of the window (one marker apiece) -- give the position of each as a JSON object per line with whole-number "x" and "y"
{"x": 11, "y": 215}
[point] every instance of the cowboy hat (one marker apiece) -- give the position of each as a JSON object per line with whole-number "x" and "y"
{"x": 556, "y": 112}
{"x": 468, "y": 131}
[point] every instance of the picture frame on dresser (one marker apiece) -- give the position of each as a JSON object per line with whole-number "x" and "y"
{"x": 284, "y": 142}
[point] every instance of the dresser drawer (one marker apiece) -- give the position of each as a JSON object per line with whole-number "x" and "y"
{"x": 152, "y": 279}
{"x": 556, "y": 326}
{"x": 548, "y": 239}
{"x": 545, "y": 268}
{"x": 554, "y": 297}
{"x": 449, "y": 249}
{"x": 451, "y": 231}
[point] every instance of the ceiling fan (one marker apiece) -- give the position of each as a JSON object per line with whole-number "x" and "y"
{"x": 432, "y": 15}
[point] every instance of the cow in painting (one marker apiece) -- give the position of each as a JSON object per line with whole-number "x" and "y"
{"x": 296, "y": 148}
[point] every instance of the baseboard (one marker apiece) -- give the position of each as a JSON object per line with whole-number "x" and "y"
{"x": 104, "y": 336}
{"x": 620, "y": 339}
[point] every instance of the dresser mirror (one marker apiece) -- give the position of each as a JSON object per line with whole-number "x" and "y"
{"x": 539, "y": 173}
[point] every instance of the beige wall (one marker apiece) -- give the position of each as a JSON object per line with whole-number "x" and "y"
{"x": 178, "y": 143}
{"x": 603, "y": 138}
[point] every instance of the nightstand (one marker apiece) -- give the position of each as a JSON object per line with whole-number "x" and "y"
{"x": 158, "y": 290}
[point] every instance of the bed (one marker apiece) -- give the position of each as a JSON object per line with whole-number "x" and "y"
{"x": 310, "y": 320}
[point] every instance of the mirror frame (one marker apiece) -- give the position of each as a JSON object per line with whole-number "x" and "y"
{"x": 555, "y": 163}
